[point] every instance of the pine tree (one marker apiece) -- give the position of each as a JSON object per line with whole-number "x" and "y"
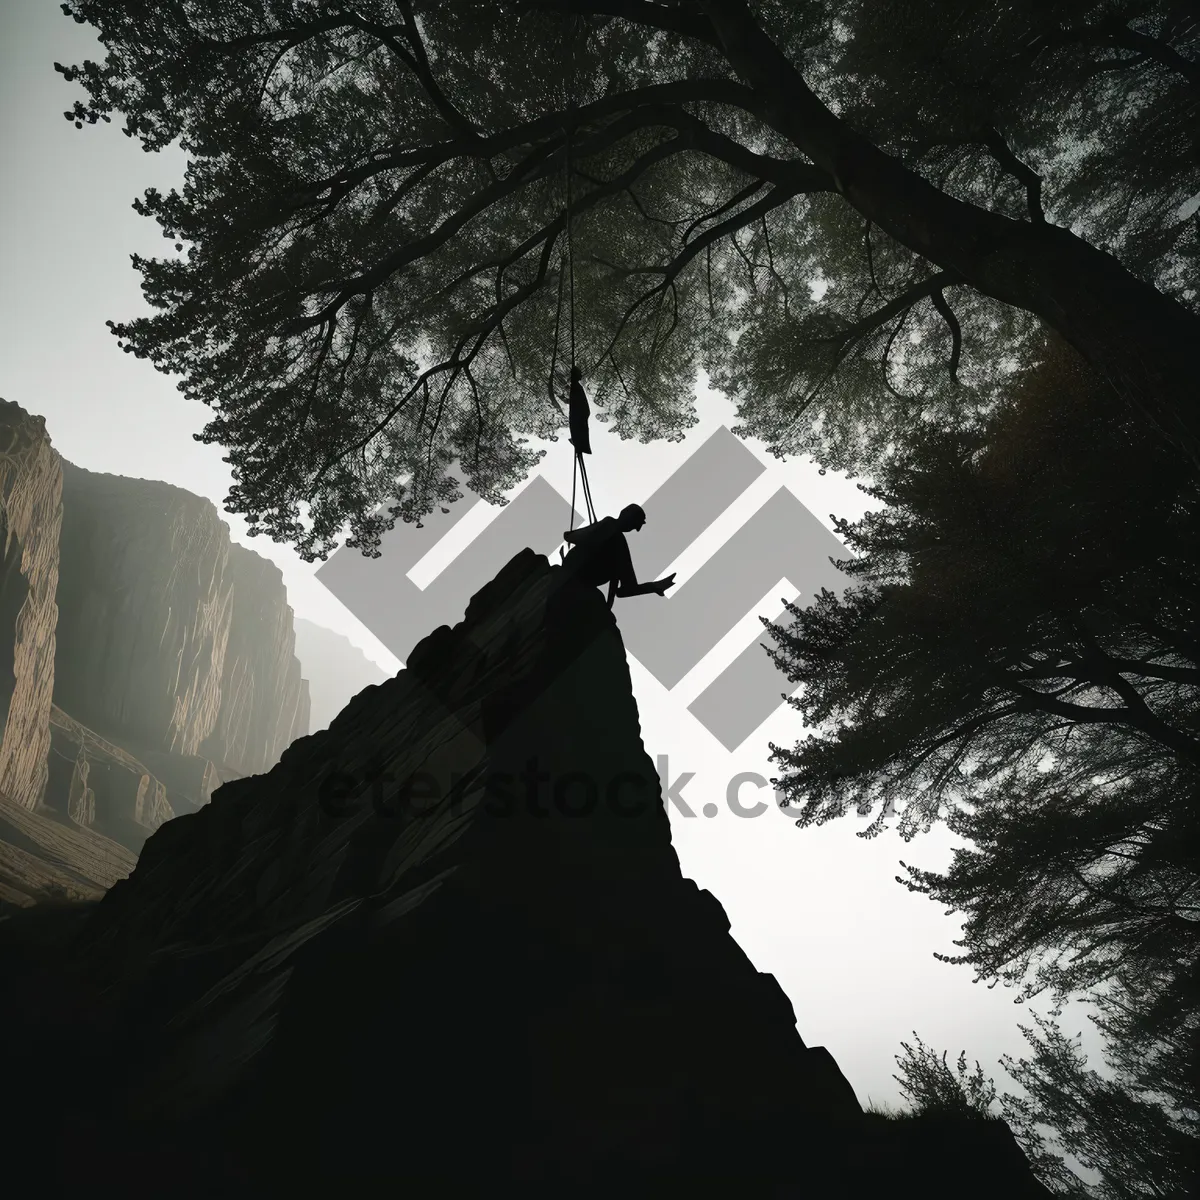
{"x": 1017, "y": 657}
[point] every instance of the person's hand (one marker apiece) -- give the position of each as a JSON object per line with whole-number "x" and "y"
{"x": 661, "y": 586}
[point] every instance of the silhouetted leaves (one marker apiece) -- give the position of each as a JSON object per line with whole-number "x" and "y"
{"x": 375, "y": 216}
{"x": 1018, "y": 657}
{"x": 1107, "y": 1124}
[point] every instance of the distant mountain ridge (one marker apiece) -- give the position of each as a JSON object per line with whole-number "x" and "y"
{"x": 336, "y": 670}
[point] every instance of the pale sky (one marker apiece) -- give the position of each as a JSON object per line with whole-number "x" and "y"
{"x": 818, "y": 909}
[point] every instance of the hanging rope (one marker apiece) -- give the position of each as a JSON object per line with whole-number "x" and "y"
{"x": 580, "y": 466}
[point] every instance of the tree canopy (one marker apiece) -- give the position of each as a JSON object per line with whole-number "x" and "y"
{"x": 854, "y": 217}
{"x": 1017, "y": 656}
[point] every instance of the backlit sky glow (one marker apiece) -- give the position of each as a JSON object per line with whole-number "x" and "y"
{"x": 819, "y": 909}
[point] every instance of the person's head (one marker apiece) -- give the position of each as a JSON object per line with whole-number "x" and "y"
{"x": 632, "y": 516}
{"x": 576, "y": 374}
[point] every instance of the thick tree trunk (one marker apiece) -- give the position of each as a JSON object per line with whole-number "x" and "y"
{"x": 1140, "y": 340}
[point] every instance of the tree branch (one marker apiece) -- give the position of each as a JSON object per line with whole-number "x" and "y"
{"x": 528, "y": 135}
{"x": 669, "y": 18}
{"x": 744, "y": 194}
{"x": 919, "y": 291}
{"x": 454, "y": 117}
{"x": 1083, "y": 714}
{"x": 747, "y": 216}
{"x": 1115, "y": 32}
{"x": 990, "y": 137}
{"x": 939, "y": 302}
{"x": 1157, "y": 671}
{"x": 491, "y": 320}
{"x": 871, "y": 261}
{"x": 692, "y": 134}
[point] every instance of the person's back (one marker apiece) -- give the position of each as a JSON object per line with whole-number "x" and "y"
{"x": 596, "y": 556}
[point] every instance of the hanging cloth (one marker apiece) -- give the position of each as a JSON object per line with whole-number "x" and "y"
{"x": 578, "y": 408}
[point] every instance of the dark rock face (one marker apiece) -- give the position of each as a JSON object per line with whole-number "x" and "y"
{"x": 446, "y": 946}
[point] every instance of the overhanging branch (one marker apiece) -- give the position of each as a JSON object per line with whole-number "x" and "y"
{"x": 542, "y": 161}
{"x": 670, "y": 271}
{"x": 669, "y": 18}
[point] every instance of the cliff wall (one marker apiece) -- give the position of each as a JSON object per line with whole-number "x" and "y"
{"x": 173, "y": 638}
{"x": 264, "y": 701}
{"x": 31, "y": 511}
{"x": 99, "y": 785}
{"x": 144, "y": 660}
{"x": 145, "y": 604}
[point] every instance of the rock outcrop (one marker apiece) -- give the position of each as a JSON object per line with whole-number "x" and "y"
{"x": 335, "y": 668}
{"x": 31, "y": 511}
{"x": 445, "y": 946}
{"x": 44, "y": 861}
{"x": 101, "y": 786}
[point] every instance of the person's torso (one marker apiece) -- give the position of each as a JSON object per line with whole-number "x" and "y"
{"x": 594, "y": 558}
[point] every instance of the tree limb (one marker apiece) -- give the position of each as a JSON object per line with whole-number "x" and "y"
{"x": 1157, "y": 670}
{"x": 488, "y": 323}
{"x": 1115, "y": 32}
{"x": 692, "y": 134}
{"x": 669, "y": 18}
{"x": 990, "y": 137}
{"x": 527, "y": 136}
{"x": 747, "y": 216}
{"x": 919, "y": 291}
{"x": 939, "y": 302}
{"x": 744, "y": 194}
{"x": 1086, "y": 715}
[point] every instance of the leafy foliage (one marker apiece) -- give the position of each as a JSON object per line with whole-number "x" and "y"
{"x": 369, "y": 281}
{"x": 1018, "y": 660}
{"x": 1136, "y": 1145}
{"x": 928, "y": 1084}
{"x": 1016, "y": 656}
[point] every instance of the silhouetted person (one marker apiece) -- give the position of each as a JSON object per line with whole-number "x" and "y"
{"x": 600, "y": 555}
{"x": 579, "y": 411}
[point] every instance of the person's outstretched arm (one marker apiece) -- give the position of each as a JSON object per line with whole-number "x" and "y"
{"x": 644, "y": 589}
{"x": 627, "y": 581}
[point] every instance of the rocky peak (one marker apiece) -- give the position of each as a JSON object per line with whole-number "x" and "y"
{"x": 446, "y": 944}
